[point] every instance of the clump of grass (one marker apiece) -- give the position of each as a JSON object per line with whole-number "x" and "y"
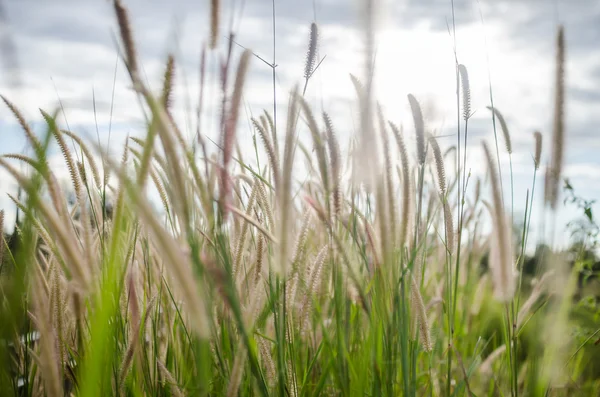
{"x": 319, "y": 288}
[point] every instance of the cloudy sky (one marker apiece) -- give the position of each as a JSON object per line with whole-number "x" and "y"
{"x": 66, "y": 49}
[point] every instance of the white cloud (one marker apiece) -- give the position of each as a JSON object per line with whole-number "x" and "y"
{"x": 68, "y": 43}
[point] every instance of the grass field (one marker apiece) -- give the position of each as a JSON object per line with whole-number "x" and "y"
{"x": 374, "y": 275}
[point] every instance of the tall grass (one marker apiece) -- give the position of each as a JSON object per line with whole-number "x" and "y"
{"x": 246, "y": 283}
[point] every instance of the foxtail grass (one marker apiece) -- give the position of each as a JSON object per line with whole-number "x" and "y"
{"x": 249, "y": 278}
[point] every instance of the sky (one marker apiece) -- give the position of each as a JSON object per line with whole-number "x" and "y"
{"x": 67, "y": 50}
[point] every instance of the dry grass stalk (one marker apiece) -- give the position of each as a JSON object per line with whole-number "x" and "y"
{"x": 558, "y": 126}
{"x": 86, "y": 226}
{"x": 418, "y": 308}
{"x": 504, "y": 127}
{"x": 48, "y": 355}
{"x": 82, "y": 173}
{"x": 267, "y": 360}
{"x": 335, "y": 164}
{"x": 284, "y": 195}
{"x": 241, "y": 241}
{"x": 358, "y": 86}
{"x": 388, "y": 174}
{"x": 449, "y": 223}
{"x": 199, "y": 110}
{"x": 215, "y": 7}
{"x": 42, "y": 270}
{"x": 228, "y": 138}
{"x": 161, "y": 190}
{"x": 290, "y": 300}
{"x": 419, "y": 128}
{"x": 318, "y": 143}
{"x": 538, "y": 149}
{"x": 170, "y": 379}
{"x": 237, "y": 371}
{"x": 367, "y": 150}
{"x": 314, "y": 280}
{"x": 319, "y": 210}
{"x": 260, "y": 252}
{"x": 127, "y": 38}
{"x": 263, "y": 123}
{"x": 439, "y": 164}
{"x": 547, "y": 183}
{"x": 88, "y": 155}
{"x": 168, "y": 131}
{"x": 300, "y": 247}
{"x": 370, "y": 236}
{"x": 79, "y": 314}
{"x": 273, "y": 129}
{"x": 477, "y": 191}
{"x": 292, "y": 385}
{"x": 384, "y": 223}
{"x": 264, "y": 137}
{"x": 501, "y": 251}
{"x": 31, "y": 137}
{"x": 56, "y": 300}
{"x": 264, "y": 203}
{"x": 311, "y": 54}
{"x": 120, "y": 193}
{"x": 145, "y": 158}
{"x": 253, "y": 222}
{"x": 167, "y": 91}
{"x": 466, "y": 91}
{"x": 406, "y": 184}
